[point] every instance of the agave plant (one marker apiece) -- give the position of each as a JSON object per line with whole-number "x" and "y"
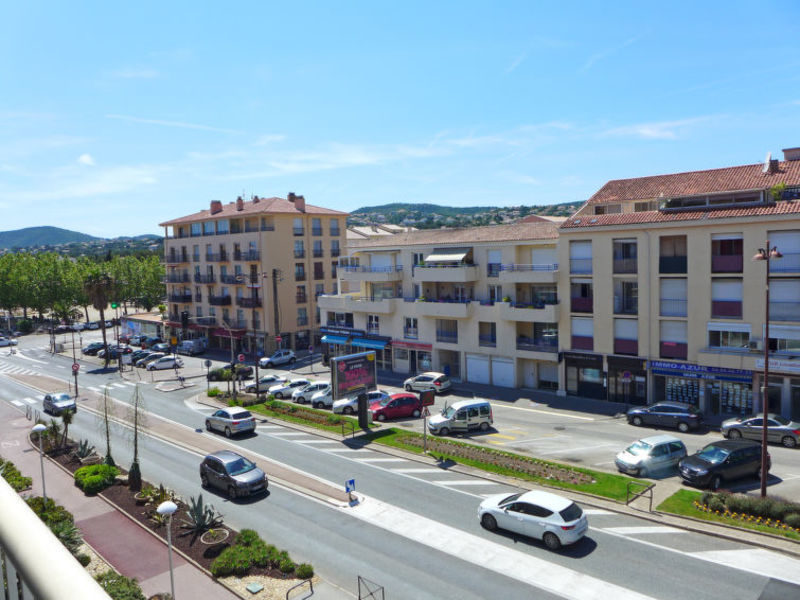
{"x": 84, "y": 449}
{"x": 200, "y": 517}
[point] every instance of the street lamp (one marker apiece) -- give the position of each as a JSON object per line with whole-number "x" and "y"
{"x": 168, "y": 508}
{"x": 40, "y": 429}
{"x": 766, "y": 254}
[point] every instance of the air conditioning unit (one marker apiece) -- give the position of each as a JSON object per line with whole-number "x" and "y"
{"x": 756, "y": 345}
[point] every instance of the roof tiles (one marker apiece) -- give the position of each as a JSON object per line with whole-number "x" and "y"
{"x": 249, "y": 208}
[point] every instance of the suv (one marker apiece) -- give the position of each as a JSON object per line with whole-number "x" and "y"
{"x": 722, "y": 461}
{"x": 438, "y": 382}
{"x": 233, "y": 473}
{"x": 280, "y": 357}
{"x": 666, "y": 414}
{"x": 654, "y": 454}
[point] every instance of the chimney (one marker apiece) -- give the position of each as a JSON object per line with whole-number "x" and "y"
{"x": 773, "y": 166}
{"x": 216, "y": 206}
{"x": 791, "y": 154}
{"x": 290, "y": 197}
{"x": 300, "y": 203}
{"x": 256, "y": 199}
{"x": 239, "y": 203}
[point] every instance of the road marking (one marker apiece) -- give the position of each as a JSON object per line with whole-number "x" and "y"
{"x": 607, "y": 462}
{"x": 579, "y": 448}
{"x": 789, "y": 477}
{"x": 117, "y": 385}
{"x": 94, "y": 389}
{"x": 129, "y": 383}
{"x": 316, "y": 441}
{"x": 759, "y": 561}
{"x": 537, "y": 572}
{"x": 16, "y": 403}
{"x": 644, "y": 530}
{"x": 544, "y": 412}
{"x": 337, "y": 450}
{"x": 290, "y": 434}
{"x": 30, "y": 400}
{"x": 505, "y": 437}
{"x": 420, "y": 470}
{"x": 22, "y": 355}
{"x": 468, "y": 482}
{"x": 597, "y": 511}
{"x": 378, "y": 460}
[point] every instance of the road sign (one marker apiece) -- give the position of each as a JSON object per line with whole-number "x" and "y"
{"x": 241, "y": 358}
{"x": 278, "y": 338}
{"x": 311, "y": 349}
{"x": 626, "y": 377}
{"x": 350, "y": 486}
{"x": 207, "y": 363}
{"x": 75, "y": 367}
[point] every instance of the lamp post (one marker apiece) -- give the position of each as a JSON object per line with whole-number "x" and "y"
{"x": 168, "y": 508}
{"x": 766, "y": 254}
{"x": 40, "y": 429}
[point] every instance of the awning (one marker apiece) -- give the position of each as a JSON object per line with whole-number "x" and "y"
{"x": 447, "y": 255}
{"x": 334, "y": 339}
{"x": 219, "y": 332}
{"x": 373, "y": 344}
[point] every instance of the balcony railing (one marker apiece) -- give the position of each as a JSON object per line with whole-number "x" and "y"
{"x": 174, "y": 259}
{"x": 316, "y": 231}
{"x": 200, "y": 278}
{"x": 298, "y": 230}
{"x": 626, "y": 347}
{"x": 580, "y": 342}
{"x": 302, "y": 321}
{"x": 411, "y": 333}
{"x": 251, "y": 228}
{"x": 217, "y": 257}
{"x": 493, "y": 269}
{"x": 727, "y": 309}
{"x": 784, "y": 311}
{"x": 335, "y": 232}
{"x": 625, "y": 305}
{"x": 219, "y": 300}
{"x": 542, "y": 344}
{"x": 301, "y": 276}
{"x": 232, "y": 279}
{"x": 581, "y": 304}
{"x": 195, "y": 258}
{"x": 487, "y": 340}
{"x": 268, "y": 228}
{"x": 177, "y": 278}
{"x": 198, "y": 297}
{"x": 182, "y": 298}
{"x": 372, "y": 328}
{"x": 624, "y": 265}
{"x": 335, "y": 252}
{"x": 580, "y": 266}
{"x": 237, "y": 324}
{"x": 247, "y": 255}
{"x": 527, "y": 268}
{"x": 206, "y": 321}
{"x": 318, "y": 274}
{"x": 727, "y": 263}
{"x": 673, "y": 307}
{"x": 301, "y": 298}
{"x": 318, "y": 253}
{"x": 447, "y": 337}
{"x": 248, "y": 302}
{"x": 299, "y": 253}
{"x": 672, "y": 264}
{"x": 674, "y": 350}
{"x": 367, "y": 269}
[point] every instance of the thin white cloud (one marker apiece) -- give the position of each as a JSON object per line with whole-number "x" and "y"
{"x": 661, "y": 130}
{"x": 521, "y": 178}
{"x": 67, "y": 183}
{"x": 595, "y": 58}
{"x": 134, "y": 73}
{"x": 516, "y": 62}
{"x": 179, "y": 124}
{"x": 268, "y": 139}
{"x": 86, "y": 159}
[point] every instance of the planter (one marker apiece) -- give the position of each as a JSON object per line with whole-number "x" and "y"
{"x": 92, "y": 459}
{"x": 214, "y": 536}
{"x": 141, "y": 498}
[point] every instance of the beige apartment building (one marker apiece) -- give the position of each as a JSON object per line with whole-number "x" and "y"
{"x": 248, "y": 273}
{"x": 479, "y": 304}
{"x": 664, "y": 299}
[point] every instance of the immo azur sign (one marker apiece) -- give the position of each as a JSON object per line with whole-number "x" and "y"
{"x": 353, "y": 373}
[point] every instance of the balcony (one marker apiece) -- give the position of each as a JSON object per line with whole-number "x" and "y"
{"x": 788, "y": 263}
{"x": 300, "y": 276}
{"x": 784, "y": 311}
{"x": 447, "y": 337}
{"x": 249, "y": 255}
{"x": 184, "y": 278}
{"x": 319, "y": 274}
{"x": 672, "y": 264}
{"x": 487, "y": 340}
{"x": 624, "y": 265}
{"x": 335, "y": 232}
{"x": 300, "y": 298}
{"x": 219, "y": 300}
{"x": 518, "y": 273}
{"x": 206, "y": 321}
{"x": 580, "y": 266}
{"x": 726, "y": 263}
{"x": 267, "y": 227}
{"x": 373, "y": 328}
{"x": 673, "y": 307}
{"x": 727, "y": 309}
{"x": 580, "y": 342}
{"x": 626, "y": 305}
{"x": 217, "y": 257}
{"x": 354, "y": 303}
{"x": 176, "y": 259}
{"x": 299, "y": 253}
{"x": 529, "y": 313}
{"x": 372, "y": 274}
{"x": 231, "y": 279}
{"x": 542, "y": 344}
{"x": 446, "y": 274}
{"x": 581, "y": 304}
{"x": 198, "y": 297}
{"x": 180, "y": 298}
{"x": 251, "y": 228}
{"x": 677, "y": 350}
{"x": 236, "y": 324}
{"x": 411, "y": 333}
{"x": 208, "y": 278}
{"x": 195, "y": 258}
{"x": 298, "y": 230}
{"x": 335, "y": 252}
{"x": 316, "y": 231}
{"x": 318, "y": 253}
{"x": 302, "y": 321}
{"x": 493, "y": 270}
{"x": 248, "y": 302}
{"x": 443, "y": 309}
{"x": 626, "y": 347}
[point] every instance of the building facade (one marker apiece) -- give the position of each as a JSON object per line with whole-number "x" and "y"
{"x": 249, "y": 273}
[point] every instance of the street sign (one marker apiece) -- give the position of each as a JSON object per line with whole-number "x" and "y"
{"x": 311, "y": 349}
{"x": 428, "y": 397}
{"x": 626, "y": 377}
{"x": 350, "y": 486}
{"x": 75, "y": 367}
{"x": 207, "y": 363}
{"x": 278, "y": 338}
{"x": 241, "y": 358}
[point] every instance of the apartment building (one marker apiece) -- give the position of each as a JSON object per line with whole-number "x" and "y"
{"x": 249, "y": 273}
{"x": 479, "y": 304}
{"x": 664, "y": 301}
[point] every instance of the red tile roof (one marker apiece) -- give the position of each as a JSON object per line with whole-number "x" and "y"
{"x": 729, "y": 179}
{"x": 250, "y": 208}
{"x": 463, "y": 236}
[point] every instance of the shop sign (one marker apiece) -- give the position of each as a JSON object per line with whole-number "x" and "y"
{"x": 777, "y": 364}
{"x": 412, "y": 345}
{"x": 591, "y": 361}
{"x": 353, "y": 373}
{"x": 342, "y": 331}
{"x": 660, "y": 367}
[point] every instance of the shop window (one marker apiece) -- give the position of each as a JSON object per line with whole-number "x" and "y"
{"x": 401, "y": 354}
{"x": 738, "y": 340}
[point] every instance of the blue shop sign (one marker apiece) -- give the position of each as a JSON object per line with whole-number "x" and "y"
{"x": 660, "y": 367}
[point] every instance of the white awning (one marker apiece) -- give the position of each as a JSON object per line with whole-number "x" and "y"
{"x": 447, "y": 255}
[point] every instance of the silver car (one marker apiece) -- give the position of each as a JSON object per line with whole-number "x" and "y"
{"x": 304, "y": 394}
{"x": 231, "y": 420}
{"x": 55, "y": 404}
{"x": 287, "y": 388}
{"x": 779, "y": 429}
{"x": 233, "y": 473}
{"x": 654, "y": 454}
{"x": 349, "y": 406}
{"x": 264, "y": 383}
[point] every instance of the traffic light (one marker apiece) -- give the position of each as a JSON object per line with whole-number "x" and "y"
{"x": 185, "y": 319}
{"x": 114, "y": 305}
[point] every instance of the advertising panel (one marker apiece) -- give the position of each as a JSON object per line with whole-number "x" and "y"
{"x": 353, "y": 373}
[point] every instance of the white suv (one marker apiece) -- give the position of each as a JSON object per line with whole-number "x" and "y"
{"x": 280, "y": 357}
{"x": 349, "y": 406}
{"x": 438, "y": 382}
{"x": 304, "y": 394}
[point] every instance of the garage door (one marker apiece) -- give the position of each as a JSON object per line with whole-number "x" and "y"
{"x": 477, "y": 368}
{"x": 380, "y": 260}
{"x": 503, "y": 372}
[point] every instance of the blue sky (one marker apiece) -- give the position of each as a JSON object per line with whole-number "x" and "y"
{"x": 115, "y": 117}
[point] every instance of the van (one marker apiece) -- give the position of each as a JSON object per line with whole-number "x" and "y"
{"x": 192, "y": 347}
{"x": 462, "y": 416}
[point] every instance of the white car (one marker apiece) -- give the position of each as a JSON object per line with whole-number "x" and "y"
{"x": 322, "y": 399}
{"x": 553, "y": 519}
{"x": 78, "y": 327}
{"x": 165, "y": 362}
{"x": 4, "y": 341}
{"x": 92, "y": 325}
{"x": 55, "y": 404}
{"x": 285, "y": 389}
{"x": 279, "y": 357}
{"x": 304, "y": 394}
{"x": 349, "y": 405}
{"x": 438, "y": 382}
{"x": 264, "y": 383}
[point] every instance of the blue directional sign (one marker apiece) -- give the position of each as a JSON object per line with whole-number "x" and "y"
{"x": 350, "y": 486}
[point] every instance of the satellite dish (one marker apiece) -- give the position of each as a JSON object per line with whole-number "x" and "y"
{"x": 765, "y": 168}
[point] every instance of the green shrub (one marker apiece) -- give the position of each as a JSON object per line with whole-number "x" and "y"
{"x": 84, "y": 559}
{"x": 119, "y": 587}
{"x": 234, "y": 560}
{"x": 12, "y": 475}
{"x": 25, "y": 325}
{"x": 95, "y": 478}
{"x": 706, "y": 497}
{"x": 793, "y": 520}
{"x": 259, "y": 554}
{"x": 278, "y": 557}
{"x": 304, "y": 571}
{"x": 49, "y": 512}
{"x": 247, "y": 537}
{"x": 333, "y": 419}
{"x": 286, "y": 566}
{"x": 213, "y": 392}
{"x": 716, "y": 503}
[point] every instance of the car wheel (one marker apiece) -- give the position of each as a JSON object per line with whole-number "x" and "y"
{"x": 444, "y": 431}
{"x": 734, "y": 434}
{"x": 489, "y": 522}
{"x": 408, "y": 387}
{"x": 268, "y": 365}
{"x": 347, "y": 410}
{"x": 716, "y": 482}
{"x": 231, "y": 492}
{"x": 642, "y": 472}
{"x": 300, "y": 400}
{"x": 291, "y": 361}
{"x": 279, "y": 394}
{"x": 208, "y": 425}
{"x": 789, "y": 442}
{"x": 227, "y": 432}
{"x": 484, "y": 426}
{"x": 551, "y": 540}
{"x": 319, "y": 405}
{"x": 683, "y": 427}
{"x": 204, "y": 481}
{"x": 381, "y": 417}
{"x": 416, "y": 413}
{"x": 637, "y": 421}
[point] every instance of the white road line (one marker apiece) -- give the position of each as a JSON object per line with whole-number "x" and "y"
{"x": 94, "y": 389}
{"x": 314, "y": 441}
{"x": 118, "y": 385}
{"x": 579, "y": 448}
{"x": 537, "y": 572}
{"x": 759, "y": 561}
{"x": 544, "y": 412}
{"x": 597, "y": 511}
{"x": 16, "y": 403}
{"x": 382, "y": 460}
{"x": 468, "y": 482}
{"x": 608, "y": 462}
{"x": 30, "y": 400}
{"x": 290, "y": 434}
{"x": 416, "y": 470}
{"x": 338, "y": 450}
{"x": 644, "y": 530}
{"x": 129, "y": 383}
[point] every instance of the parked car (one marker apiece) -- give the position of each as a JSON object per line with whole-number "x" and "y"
{"x": 193, "y": 347}
{"x": 304, "y": 394}
{"x": 63, "y": 329}
{"x": 462, "y": 416}
{"x": 231, "y": 420}
{"x": 397, "y": 406}
{"x": 93, "y": 348}
{"x": 654, "y": 454}
{"x": 150, "y": 341}
{"x": 438, "y": 382}
{"x": 165, "y": 362}
{"x": 779, "y": 429}
{"x": 78, "y": 327}
{"x": 4, "y": 341}
{"x": 137, "y": 354}
{"x": 722, "y": 461}
{"x": 553, "y": 519}
{"x": 135, "y": 340}
{"x": 242, "y": 372}
{"x": 55, "y": 404}
{"x": 349, "y": 405}
{"x": 114, "y": 352}
{"x": 92, "y": 325}
{"x": 667, "y": 414}
{"x": 264, "y": 383}
{"x": 279, "y": 357}
{"x": 322, "y": 398}
{"x": 125, "y": 338}
{"x": 233, "y": 473}
{"x": 143, "y": 362}
{"x": 286, "y": 388}
{"x": 162, "y": 347}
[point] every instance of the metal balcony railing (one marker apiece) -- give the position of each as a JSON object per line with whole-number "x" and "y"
{"x": 316, "y": 231}
{"x": 447, "y": 337}
{"x": 335, "y": 252}
{"x": 490, "y": 341}
{"x": 334, "y": 232}
{"x": 299, "y": 276}
{"x": 299, "y": 253}
{"x": 182, "y": 298}
{"x": 229, "y": 279}
{"x": 298, "y": 230}
{"x": 219, "y": 300}
{"x": 302, "y": 321}
{"x": 318, "y": 253}
{"x": 411, "y": 333}
{"x": 543, "y": 344}
{"x": 301, "y": 298}
{"x": 206, "y": 321}
{"x": 248, "y": 302}
{"x": 177, "y": 279}
{"x": 199, "y": 278}
{"x": 544, "y": 267}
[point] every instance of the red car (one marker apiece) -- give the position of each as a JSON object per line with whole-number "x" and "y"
{"x": 397, "y": 406}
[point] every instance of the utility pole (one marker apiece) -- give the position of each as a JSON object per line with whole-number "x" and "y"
{"x": 276, "y": 273}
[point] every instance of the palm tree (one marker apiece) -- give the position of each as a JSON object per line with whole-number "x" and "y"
{"x": 99, "y": 288}
{"x": 66, "y": 419}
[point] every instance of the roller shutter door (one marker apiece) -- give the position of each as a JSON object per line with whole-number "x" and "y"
{"x": 503, "y": 372}
{"x": 477, "y": 368}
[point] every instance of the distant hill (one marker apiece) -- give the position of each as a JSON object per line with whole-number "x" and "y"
{"x": 425, "y": 209}
{"x": 40, "y": 236}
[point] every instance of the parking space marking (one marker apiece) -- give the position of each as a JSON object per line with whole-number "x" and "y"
{"x": 384, "y": 460}
{"x": 579, "y": 448}
{"x": 505, "y": 437}
{"x": 644, "y": 530}
{"x": 544, "y": 412}
{"x": 30, "y": 400}
{"x": 761, "y": 562}
{"x": 290, "y": 434}
{"x": 597, "y": 511}
{"x": 16, "y": 403}
{"x": 118, "y": 385}
{"x": 129, "y": 383}
{"x": 416, "y": 470}
{"x": 469, "y": 482}
{"x": 318, "y": 442}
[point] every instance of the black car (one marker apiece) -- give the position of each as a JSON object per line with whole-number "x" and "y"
{"x": 232, "y": 473}
{"x": 667, "y": 414}
{"x": 242, "y": 372}
{"x": 93, "y": 348}
{"x": 722, "y": 461}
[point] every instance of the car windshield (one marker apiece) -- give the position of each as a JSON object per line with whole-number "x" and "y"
{"x": 639, "y": 448}
{"x": 781, "y": 420}
{"x": 448, "y": 412}
{"x": 572, "y": 513}
{"x": 385, "y": 401}
{"x": 510, "y": 498}
{"x": 713, "y": 454}
{"x": 63, "y": 398}
{"x": 241, "y": 415}
{"x": 239, "y": 466}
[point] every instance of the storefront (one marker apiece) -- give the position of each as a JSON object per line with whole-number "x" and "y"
{"x": 338, "y": 341}
{"x": 380, "y": 344}
{"x": 411, "y": 357}
{"x": 584, "y": 374}
{"x": 714, "y": 390}
{"x": 627, "y": 380}
{"x": 784, "y": 386}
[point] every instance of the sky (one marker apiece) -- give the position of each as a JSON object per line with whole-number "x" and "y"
{"x": 115, "y": 117}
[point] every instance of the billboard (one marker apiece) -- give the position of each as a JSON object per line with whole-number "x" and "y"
{"x": 353, "y": 373}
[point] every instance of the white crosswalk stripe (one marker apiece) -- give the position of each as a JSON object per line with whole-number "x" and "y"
{"x": 290, "y": 434}
{"x": 381, "y": 460}
{"x": 94, "y": 389}
{"x": 129, "y": 383}
{"x": 597, "y": 511}
{"x": 420, "y": 470}
{"x": 16, "y": 403}
{"x": 310, "y": 442}
{"x": 118, "y": 385}
{"x": 467, "y": 482}
{"x": 30, "y": 400}
{"x": 644, "y": 530}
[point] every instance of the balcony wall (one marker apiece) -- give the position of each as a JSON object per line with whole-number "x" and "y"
{"x": 784, "y": 311}
{"x": 672, "y": 264}
{"x": 582, "y": 343}
{"x": 549, "y": 313}
{"x": 626, "y": 347}
{"x": 353, "y": 303}
{"x": 371, "y": 274}
{"x": 444, "y": 310}
{"x": 455, "y": 274}
{"x": 726, "y": 309}
{"x": 516, "y": 273}
{"x": 580, "y": 304}
{"x": 726, "y": 263}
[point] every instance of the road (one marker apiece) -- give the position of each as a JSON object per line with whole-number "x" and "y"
{"x": 416, "y": 531}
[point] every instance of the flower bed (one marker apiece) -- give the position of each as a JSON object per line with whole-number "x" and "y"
{"x": 770, "y": 512}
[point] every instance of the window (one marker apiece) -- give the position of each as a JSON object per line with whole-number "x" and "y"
{"x": 624, "y": 253}
{"x": 419, "y": 258}
{"x": 208, "y": 228}
{"x": 580, "y": 257}
{"x": 641, "y": 207}
{"x": 316, "y": 226}
{"x": 626, "y": 297}
{"x": 373, "y": 323}
{"x": 297, "y": 228}
{"x": 673, "y": 298}
{"x": 334, "y": 227}
{"x": 319, "y": 289}
{"x": 334, "y": 268}
{"x": 401, "y": 354}
{"x": 319, "y": 272}
{"x": 197, "y": 229}
{"x": 302, "y": 316}
{"x": 410, "y": 328}
{"x": 335, "y": 248}
{"x": 223, "y": 226}
{"x": 299, "y": 272}
{"x": 299, "y": 250}
{"x": 728, "y": 339}
{"x": 495, "y": 293}
{"x": 726, "y": 298}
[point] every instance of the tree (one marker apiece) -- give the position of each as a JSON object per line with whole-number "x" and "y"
{"x": 99, "y": 288}
{"x": 66, "y": 419}
{"x": 106, "y": 407}
{"x": 137, "y": 415}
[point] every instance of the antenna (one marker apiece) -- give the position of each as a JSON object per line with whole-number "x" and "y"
{"x": 765, "y": 168}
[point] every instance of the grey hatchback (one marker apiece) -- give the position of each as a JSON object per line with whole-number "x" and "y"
{"x": 779, "y": 429}
{"x": 231, "y": 420}
{"x": 233, "y": 473}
